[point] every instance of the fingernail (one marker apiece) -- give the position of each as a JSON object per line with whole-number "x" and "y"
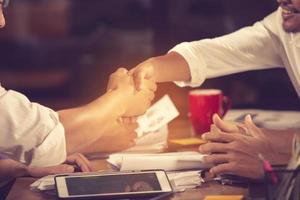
{"x": 248, "y": 118}
{"x": 204, "y": 136}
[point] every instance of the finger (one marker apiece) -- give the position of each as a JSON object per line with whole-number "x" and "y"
{"x": 133, "y": 120}
{"x": 81, "y": 161}
{"x": 243, "y": 129}
{"x": 225, "y": 168}
{"x": 151, "y": 85}
{"x": 137, "y": 75}
{"x": 224, "y": 126}
{"x": 218, "y": 137}
{"x": 251, "y": 127}
{"x": 122, "y": 70}
{"x": 85, "y": 164}
{"x": 216, "y": 158}
{"x": 250, "y": 169}
{"x": 151, "y": 96}
{"x": 211, "y": 147}
{"x": 131, "y": 126}
{"x": 131, "y": 71}
{"x": 214, "y": 129}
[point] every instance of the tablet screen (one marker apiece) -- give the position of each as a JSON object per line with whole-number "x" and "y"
{"x": 112, "y": 184}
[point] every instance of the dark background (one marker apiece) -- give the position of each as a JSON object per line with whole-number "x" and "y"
{"x": 61, "y": 52}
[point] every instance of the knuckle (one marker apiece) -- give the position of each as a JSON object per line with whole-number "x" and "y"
{"x": 205, "y": 148}
{"x": 122, "y": 70}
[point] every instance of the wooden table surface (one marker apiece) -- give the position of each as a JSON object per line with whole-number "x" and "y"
{"x": 179, "y": 128}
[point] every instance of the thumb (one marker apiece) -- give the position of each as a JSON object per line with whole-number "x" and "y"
{"x": 138, "y": 76}
{"x": 224, "y": 126}
{"x": 253, "y": 130}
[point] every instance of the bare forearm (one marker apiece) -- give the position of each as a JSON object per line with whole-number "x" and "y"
{"x": 85, "y": 125}
{"x": 10, "y": 169}
{"x": 281, "y": 141}
{"x": 170, "y": 67}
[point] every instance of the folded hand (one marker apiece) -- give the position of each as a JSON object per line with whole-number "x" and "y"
{"x": 236, "y": 152}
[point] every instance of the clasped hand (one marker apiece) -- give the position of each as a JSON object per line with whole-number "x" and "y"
{"x": 234, "y": 148}
{"x": 136, "y": 101}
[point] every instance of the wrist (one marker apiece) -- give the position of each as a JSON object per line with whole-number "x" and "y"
{"x": 154, "y": 65}
{"x": 120, "y": 97}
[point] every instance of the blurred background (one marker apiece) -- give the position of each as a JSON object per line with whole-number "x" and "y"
{"x": 60, "y": 52}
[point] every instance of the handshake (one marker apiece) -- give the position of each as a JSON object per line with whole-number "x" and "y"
{"x": 135, "y": 87}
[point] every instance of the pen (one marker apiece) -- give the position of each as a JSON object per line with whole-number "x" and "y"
{"x": 268, "y": 168}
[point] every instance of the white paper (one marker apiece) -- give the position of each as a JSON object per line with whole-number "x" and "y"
{"x": 166, "y": 161}
{"x": 153, "y": 127}
{"x": 157, "y": 116}
{"x": 277, "y": 120}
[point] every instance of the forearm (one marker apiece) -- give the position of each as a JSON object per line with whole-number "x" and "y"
{"x": 170, "y": 67}
{"x": 281, "y": 141}
{"x": 85, "y": 125}
{"x": 10, "y": 169}
{"x": 122, "y": 138}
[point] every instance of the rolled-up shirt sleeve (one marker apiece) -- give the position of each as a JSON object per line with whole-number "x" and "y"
{"x": 30, "y": 133}
{"x": 250, "y": 48}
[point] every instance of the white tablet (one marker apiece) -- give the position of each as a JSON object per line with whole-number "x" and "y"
{"x": 114, "y": 185}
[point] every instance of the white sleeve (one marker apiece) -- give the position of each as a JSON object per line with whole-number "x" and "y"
{"x": 30, "y": 132}
{"x": 250, "y": 48}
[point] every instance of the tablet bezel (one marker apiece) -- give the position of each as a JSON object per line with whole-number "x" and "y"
{"x": 62, "y": 189}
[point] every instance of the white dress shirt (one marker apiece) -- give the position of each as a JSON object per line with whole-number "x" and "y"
{"x": 261, "y": 46}
{"x": 30, "y": 133}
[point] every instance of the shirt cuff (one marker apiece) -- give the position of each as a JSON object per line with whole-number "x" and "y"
{"x": 53, "y": 149}
{"x": 196, "y": 63}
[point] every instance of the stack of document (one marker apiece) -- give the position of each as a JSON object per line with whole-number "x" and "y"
{"x": 185, "y": 180}
{"x": 271, "y": 119}
{"x": 166, "y": 161}
{"x": 153, "y": 142}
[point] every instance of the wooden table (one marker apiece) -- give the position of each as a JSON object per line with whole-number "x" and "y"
{"x": 179, "y": 128}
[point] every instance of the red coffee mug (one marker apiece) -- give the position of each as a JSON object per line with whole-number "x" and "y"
{"x": 203, "y": 103}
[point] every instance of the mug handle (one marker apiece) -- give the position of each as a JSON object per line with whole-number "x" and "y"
{"x": 226, "y": 105}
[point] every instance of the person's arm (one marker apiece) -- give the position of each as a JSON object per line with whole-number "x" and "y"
{"x": 236, "y": 149}
{"x": 165, "y": 68}
{"x": 281, "y": 140}
{"x": 86, "y": 124}
{"x": 122, "y": 134}
{"x": 190, "y": 63}
{"x": 38, "y": 136}
{"x": 11, "y": 169}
